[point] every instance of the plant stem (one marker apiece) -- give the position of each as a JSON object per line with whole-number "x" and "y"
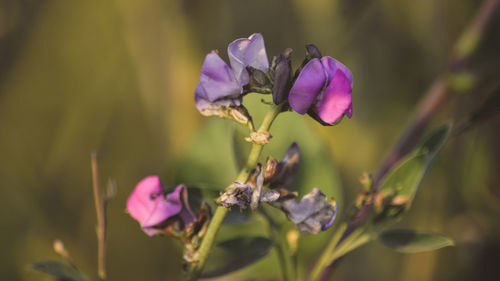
{"x": 325, "y": 256}
{"x": 274, "y": 232}
{"x": 195, "y": 268}
{"x": 101, "y": 220}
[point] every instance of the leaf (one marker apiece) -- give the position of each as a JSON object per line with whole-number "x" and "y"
{"x": 405, "y": 178}
{"x": 60, "y": 270}
{"x": 234, "y": 254}
{"x": 241, "y": 148}
{"x": 411, "y": 241}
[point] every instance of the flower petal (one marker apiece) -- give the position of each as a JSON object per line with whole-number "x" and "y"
{"x": 208, "y": 108}
{"x": 336, "y": 100}
{"x": 245, "y": 52}
{"x": 217, "y": 80}
{"x": 147, "y": 205}
{"x": 331, "y": 66}
{"x": 308, "y": 86}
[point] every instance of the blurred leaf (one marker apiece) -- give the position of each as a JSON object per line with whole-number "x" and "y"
{"x": 411, "y": 241}
{"x": 241, "y": 148}
{"x": 60, "y": 270}
{"x": 234, "y": 254}
{"x": 405, "y": 178}
{"x": 237, "y": 217}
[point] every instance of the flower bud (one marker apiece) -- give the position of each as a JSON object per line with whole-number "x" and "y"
{"x": 270, "y": 168}
{"x": 258, "y": 81}
{"x": 282, "y": 77}
{"x": 287, "y": 168}
{"x": 312, "y": 52}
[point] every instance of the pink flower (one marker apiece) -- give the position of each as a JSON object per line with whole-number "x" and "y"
{"x": 151, "y": 208}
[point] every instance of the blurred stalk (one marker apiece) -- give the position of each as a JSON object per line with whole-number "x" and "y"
{"x": 101, "y": 219}
{"x": 441, "y": 90}
{"x": 433, "y": 100}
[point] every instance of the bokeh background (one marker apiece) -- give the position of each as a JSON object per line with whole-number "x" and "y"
{"x": 117, "y": 77}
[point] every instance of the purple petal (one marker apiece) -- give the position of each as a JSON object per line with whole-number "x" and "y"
{"x": 217, "y": 81}
{"x": 211, "y": 108}
{"x": 147, "y": 205}
{"x": 308, "y": 86}
{"x": 331, "y": 66}
{"x": 336, "y": 100}
{"x": 247, "y": 52}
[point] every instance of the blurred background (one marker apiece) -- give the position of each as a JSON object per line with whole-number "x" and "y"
{"x": 117, "y": 77}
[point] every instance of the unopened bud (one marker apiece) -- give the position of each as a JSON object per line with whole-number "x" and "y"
{"x": 292, "y": 238}
{"x": 61, "y": 250}
{"x": 312, "y": 52}
{"x": 282, "y": 77}
{"x": 366, "y": 180}
{"x": 400, "y": 200}
{"x": 258, "y": 81}
{"x": 270, "y": 168}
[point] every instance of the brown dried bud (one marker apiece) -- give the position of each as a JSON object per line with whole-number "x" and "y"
{"x": 270, "y": 168}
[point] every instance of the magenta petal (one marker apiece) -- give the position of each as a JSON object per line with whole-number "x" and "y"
{"x": 331, "y": 66}
{"x": 336, "y": 100}
{"x": 245, "y": 52}
{"x": 180, "y": 194}
{"x": 308, "y": 86}
{"x": 217, "y": 80}
{"x": 147, "y": 205}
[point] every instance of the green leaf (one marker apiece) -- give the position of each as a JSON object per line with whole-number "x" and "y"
{"x": 411, "y": 241}
{"x": 405, "y": 178}
{"x": 60, "y": 270}
{"x": 234, "y": 254}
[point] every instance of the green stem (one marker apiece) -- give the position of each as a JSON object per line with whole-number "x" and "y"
{"x": 274, "y": 232}
{"x": 325, "y": 256}
{"x": 195, "y": 268}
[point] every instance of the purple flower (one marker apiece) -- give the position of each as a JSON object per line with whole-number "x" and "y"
{"x": 222, "y": 86}
{"x": 154, "y": 211}
{"x": 324, "y": 90}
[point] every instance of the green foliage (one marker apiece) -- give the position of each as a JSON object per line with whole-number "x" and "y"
{"x": 411, "y": 241}
{"x": 234, "y": 254}
{"x": 405, "y": 179}
{"x": 60, "y": 270}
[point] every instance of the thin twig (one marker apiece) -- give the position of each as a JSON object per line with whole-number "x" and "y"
{"x": 101, "y": 219}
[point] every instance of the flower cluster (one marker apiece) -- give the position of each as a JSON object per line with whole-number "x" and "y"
{"x": 321, "y": 87}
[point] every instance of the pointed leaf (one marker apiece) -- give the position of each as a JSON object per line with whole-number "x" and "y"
{"x": 405, "y": 178}
{"x": 60, "y": 270}
{"x": 234, "y": 254}
{"x": 411, "y": 241}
